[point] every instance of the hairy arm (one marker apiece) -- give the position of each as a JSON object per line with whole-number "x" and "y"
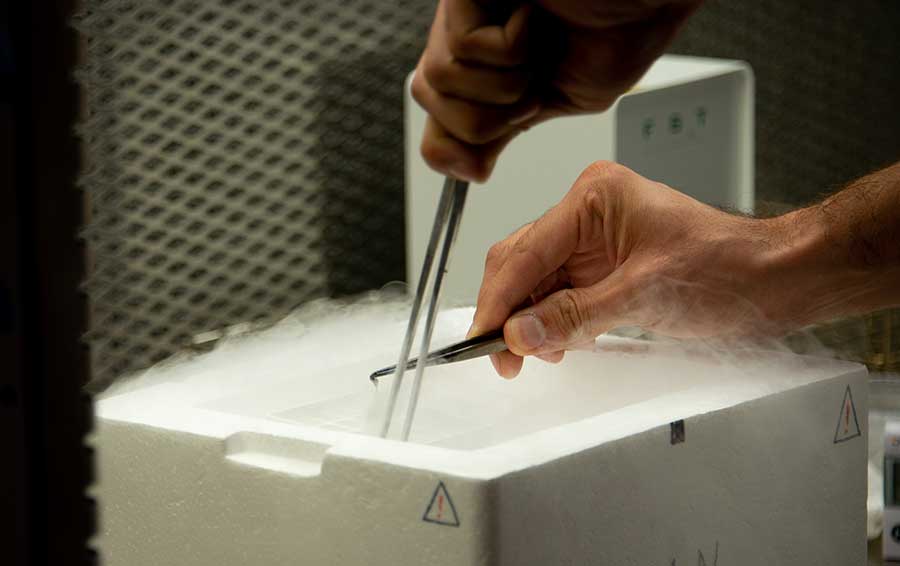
{"x": 842, "y": 256}
{"x": 622, "y": 250}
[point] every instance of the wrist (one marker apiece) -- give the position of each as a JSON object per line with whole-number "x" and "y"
{"x": 816, "y": 276}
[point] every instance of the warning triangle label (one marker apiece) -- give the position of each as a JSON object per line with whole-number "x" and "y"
{"x": 440, "y": 509}
{"x": 848, "y": 424}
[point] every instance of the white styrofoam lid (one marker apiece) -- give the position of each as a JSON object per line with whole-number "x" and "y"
{"x": 310, "y": 382}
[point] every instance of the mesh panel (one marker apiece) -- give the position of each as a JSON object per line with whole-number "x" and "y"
{"x": 360, "y": 159}
{"x": 243, "y": 158}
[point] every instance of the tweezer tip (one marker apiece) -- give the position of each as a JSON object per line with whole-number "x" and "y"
{"x": 380, "y": 373}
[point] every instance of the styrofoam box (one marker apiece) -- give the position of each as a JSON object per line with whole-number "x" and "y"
{"x": 687, "y": 123}
{"x": 633, "y": 454}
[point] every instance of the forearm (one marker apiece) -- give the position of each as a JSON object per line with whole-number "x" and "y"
{"x": 842, "y": 256}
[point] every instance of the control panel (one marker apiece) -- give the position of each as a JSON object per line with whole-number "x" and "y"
{"x": 690, "y": 136}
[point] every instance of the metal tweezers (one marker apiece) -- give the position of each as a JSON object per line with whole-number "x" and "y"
{"x": 446, "y": 226}
{"x": 483, "y": 345}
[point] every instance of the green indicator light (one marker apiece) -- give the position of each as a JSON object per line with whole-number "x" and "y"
{"x": 675, "y": 123}
{"x": 647, "y": 128}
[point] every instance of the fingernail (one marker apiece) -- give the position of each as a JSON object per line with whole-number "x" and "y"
{"x": 525, "y": 117}
{"x": 473, "y": 331}
{"x": 459, "y": 172}
{"x": 495, "y": 361}
{"x": 528, "y": 331}
{"x": 551, "y": 358}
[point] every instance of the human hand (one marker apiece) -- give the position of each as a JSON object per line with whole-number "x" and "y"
{"x": 484, "y": 82}
{"x": 621, "y": 250}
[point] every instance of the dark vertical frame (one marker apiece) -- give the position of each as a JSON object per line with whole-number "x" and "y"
{"x": 12, "y": 423}
{"x": 42, "y": 312}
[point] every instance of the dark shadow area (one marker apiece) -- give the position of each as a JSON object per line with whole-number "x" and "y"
{"x": 46, "y": 514}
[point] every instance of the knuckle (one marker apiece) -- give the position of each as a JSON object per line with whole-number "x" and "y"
{"x": 606, "y": 172}
{"x": 432, "y": 153}
{"x": 522, "y": 244}
{"x": 481, "y": 169}
{"x": 599, "y": 180}
{"x": 495, "y": 253}
{"x": 418, "y": 89}
{"x": 510, "y": 89}
{"x": 510, "y": 94}
{"x": 501, "y": 95}
{"x": 459, "y": 45}
{"x": 589, "y": 197}
{"x": 438, "y": 74}
{"x": 525, "y": 245}
{"x": 570, "y": 318}
{"x": 478, "y": 129}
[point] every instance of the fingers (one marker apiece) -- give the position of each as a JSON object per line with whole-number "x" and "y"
{"x": 472, "y": 82}
{"x": 451, "y": 77}
{"x": 474, "y": 36}
{"x": 556, "y": 281}
{"x": 516, "y": 267}
{"x": 471, "y": 122}
{"x": 553, "y": 357}
{"x": 568, "y": 318}
{"x": 507, "y": 364}
{"x": 450, "y": 156}
{"x": 566, "y": 265}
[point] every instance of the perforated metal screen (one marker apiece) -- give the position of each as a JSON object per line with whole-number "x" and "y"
{"x": 246, "y": 156}
{"x": 243, "y": 157}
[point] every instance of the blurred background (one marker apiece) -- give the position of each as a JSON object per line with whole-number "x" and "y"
{"x": 243, "y": 157}
{"x": 224, "y": 161}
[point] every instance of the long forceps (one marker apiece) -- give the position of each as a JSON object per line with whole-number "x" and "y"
{"x": 476, "y": 347}
{"x": 446, "y": 226}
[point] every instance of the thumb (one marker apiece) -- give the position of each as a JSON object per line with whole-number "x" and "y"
{"x": 563, "y": 320}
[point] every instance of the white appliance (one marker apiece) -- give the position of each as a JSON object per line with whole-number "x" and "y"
{"x": 687, "y": 123}
{"x": 891, "y": 535}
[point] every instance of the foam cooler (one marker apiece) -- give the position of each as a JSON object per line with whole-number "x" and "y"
{"x": 631, "y": 454}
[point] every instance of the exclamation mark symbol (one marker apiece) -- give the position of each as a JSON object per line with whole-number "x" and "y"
{"x": 847, "y": 425}
{"x": 440, "y": 508}
{"x": 846, "y": 417}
